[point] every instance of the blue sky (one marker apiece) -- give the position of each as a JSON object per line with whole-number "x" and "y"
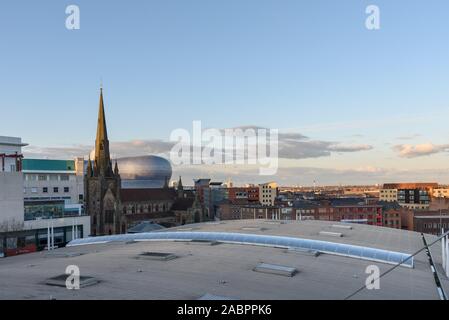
{"x": 309, "y": 67}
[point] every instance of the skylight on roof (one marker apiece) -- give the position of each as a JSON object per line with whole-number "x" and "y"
{"x": 331, "y": 234}
{"x": 276, "y": 269}
{"x": 342, "y": 226}
{"x": 341, "y": 249}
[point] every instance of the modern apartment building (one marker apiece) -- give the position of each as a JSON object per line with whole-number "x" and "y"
{"x": 414, "y": 196}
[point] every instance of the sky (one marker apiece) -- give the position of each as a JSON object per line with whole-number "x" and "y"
{"x": 352, "y": 105}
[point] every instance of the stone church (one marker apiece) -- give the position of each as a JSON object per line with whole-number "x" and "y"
{"x": 114, "y": 210}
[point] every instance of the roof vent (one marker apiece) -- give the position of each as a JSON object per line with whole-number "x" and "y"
{"x": 186, "y": 229}
{"x": 253, "y": 228}
{"x": 60, "y": 281}
{"x": 63, "y": 254}
{"x": 341, "y": 226}
{"x": 209, "y": 296}
{"x": 306, "y": 252}
{"x": 159, "y": 256}
{"x": 276, "y": 269}
{"x": 274, "y": 222}
{"x": 205, "y": 242}
{"x": 331, "y": 234}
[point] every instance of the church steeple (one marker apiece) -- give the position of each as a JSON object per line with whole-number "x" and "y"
{"x": 102, "y": 156}
{"x": 180, "y": 188}
{"x": 89, "y": 168}
{"x": 116, "y": 172}
{"x": 102, "y": 185}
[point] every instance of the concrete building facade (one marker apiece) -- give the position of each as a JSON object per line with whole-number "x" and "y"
{"x": 268, "y": 193}
{"x": 53, "y": 186}
{"x": 11, "y": 183}
{"x": 11, "y": 154}
{"x": 11, "y": 200}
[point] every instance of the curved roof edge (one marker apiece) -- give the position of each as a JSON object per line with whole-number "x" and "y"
{"x": 340, "y": 249}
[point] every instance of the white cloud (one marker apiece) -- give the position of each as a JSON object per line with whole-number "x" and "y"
{"x": 419, "y": 150}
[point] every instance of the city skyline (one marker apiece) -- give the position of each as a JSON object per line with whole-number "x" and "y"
{"x": 353, "y": 106}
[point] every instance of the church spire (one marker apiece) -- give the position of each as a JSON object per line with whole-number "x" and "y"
{"x": 89, "y": 168}
{"x": 102, "y": 156}
{"x": 116, "y": 172}
{"x": 180, "y": 188}
{"x": 102, "y": 132}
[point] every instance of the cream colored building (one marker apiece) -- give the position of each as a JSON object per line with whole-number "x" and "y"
{"x": 440, "y": 193}
{"x": 388, "y": 195}
{"x": 267, "y": 193}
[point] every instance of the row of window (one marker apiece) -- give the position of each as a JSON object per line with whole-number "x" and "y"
{"x": 306, "y": 211}
{"x": 46, "y": 190}
{"x": 145, "y": 209}
{"x": 47, "y": 177}
{"x": 436, "y": 225}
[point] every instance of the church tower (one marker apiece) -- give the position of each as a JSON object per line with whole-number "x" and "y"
{"x": 102, "y": 184}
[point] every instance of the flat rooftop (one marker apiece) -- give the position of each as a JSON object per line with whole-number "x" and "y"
{"x": 167, "y": 269}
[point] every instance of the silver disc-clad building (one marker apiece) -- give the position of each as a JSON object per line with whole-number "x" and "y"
{"x": 144, "y": 172}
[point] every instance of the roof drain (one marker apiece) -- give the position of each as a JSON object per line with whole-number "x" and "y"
{"x": 441, "y": 292}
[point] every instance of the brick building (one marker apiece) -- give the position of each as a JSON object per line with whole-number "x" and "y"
{"x": 431, "y": 222}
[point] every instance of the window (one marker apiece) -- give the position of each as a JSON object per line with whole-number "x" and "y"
{"x": 109, "y": 216}
{"x": 64, "y": 177}
{"x": 33, "y": 190}
{"x": 55, "y": 189}
{"x": 66, "y": 189}
{"x": 45, "y": 190}
{"x": 53, "y": 177}
{"x": 42, "y": 177}
{"x": 80, "y": 197}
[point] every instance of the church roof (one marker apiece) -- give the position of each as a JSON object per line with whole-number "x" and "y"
{"x": 183, "y": 204}
{"x": 140, "y": 195}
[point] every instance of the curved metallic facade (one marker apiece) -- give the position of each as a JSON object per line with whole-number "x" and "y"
{"x": 144, "y": 172}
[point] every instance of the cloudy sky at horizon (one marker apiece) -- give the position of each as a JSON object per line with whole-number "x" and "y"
{"x": 352, "y": 106}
